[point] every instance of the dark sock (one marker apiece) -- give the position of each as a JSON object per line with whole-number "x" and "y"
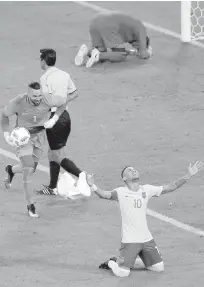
{"x": 70, "y": 167}
{"x": 54, "y": 174}
{"x": 35, "y": 166}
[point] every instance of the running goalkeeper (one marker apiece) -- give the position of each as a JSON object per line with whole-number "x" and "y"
{"x": 33, "y": 112}
{"x": 111, "y": 33}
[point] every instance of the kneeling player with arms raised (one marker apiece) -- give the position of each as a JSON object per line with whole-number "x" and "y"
{"x": 136, "y": 237}
{"x": 32, "y": 111}
{"x": 110, "y": 33}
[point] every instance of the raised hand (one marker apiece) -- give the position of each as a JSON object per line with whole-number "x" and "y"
{"x": 193, "y": 170}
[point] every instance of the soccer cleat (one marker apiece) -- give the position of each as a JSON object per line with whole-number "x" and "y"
{"x": 32, "y": 211}
{"x": 93, "y": 59}
{"x": 79, "y": 59}
{"x": 117, "y": 270}
{"x": 9, "y": 178}
{"x": 105, "y": 266}
{"x": 47, "y": 191}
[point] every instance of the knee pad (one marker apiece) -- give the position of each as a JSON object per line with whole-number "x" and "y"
{"x": 159, "y": 267}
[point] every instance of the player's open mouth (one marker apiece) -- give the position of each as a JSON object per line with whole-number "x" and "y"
{"x": 37, "y": 102}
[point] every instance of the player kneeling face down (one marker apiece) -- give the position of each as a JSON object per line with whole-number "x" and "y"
{"x": 33, "y": 112}
{"x": 114, "y": 36}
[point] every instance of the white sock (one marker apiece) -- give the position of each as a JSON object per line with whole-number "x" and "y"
{"x": 117, "y": 270}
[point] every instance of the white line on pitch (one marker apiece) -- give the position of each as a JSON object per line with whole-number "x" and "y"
{"x": 150, "y": 212}
{"x": 148, "y": 25}
{"x": 13, "y": 156}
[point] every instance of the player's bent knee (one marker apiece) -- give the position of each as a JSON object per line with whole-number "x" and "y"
{"x": 159, "y": 267}
{"x": 27, "y": 161}
{"x": 28, "y": 165}
{"x": 27, "y": 172}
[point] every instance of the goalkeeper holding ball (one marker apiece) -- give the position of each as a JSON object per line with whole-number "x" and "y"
{"x": 114, "y": 36}
{"x": 33, "y": 113}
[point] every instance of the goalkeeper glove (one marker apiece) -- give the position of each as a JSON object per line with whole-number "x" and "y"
{"x": 9, "y": 139}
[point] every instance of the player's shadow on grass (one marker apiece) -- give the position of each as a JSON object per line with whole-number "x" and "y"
{"x": 40, "y": 261}
{"x": 107, "y": 67}
{"x": 59, "y": 201}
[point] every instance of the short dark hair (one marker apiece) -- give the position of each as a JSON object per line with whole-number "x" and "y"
{"x": 34, "y": 85}
{"x": 122, "y": 172}
{"x": 147, "y": 42}
{"x": 49, "y": 56}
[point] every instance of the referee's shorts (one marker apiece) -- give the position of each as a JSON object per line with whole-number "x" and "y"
{"x": 58, "y": 135}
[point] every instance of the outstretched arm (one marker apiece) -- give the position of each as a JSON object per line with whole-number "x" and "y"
{"x": 102, "y": 193}
{"x": 192, "y": 170}
{"x": 111, "y": 195}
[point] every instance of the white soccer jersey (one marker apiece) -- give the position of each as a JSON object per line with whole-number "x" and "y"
{"x": 133, "y": 208}
{"x": 57, "y": 83}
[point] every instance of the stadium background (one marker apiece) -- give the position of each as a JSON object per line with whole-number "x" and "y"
{"x": 143, "y": 113}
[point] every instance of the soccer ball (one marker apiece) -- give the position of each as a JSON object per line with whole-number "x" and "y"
{"x": 20, "y": 136}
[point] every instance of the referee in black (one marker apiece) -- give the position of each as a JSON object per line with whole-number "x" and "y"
{"x": 57, "y": 83}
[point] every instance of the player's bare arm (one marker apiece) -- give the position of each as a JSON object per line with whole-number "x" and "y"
{"x": 4, "y": 121}
{"x": 8, "y": 111}
{"x": 192, "y": 170}
{"x": 72, "y": 96}
{"x": 111, "y": 195}
{"x": 51, "y": 122}
{"x": 60, "y": 103}
{"x": 102, "y": 193}
{"x": 53, "y": 101}
{"x": 59, "y": 111}
{"x": 5, "y": 127}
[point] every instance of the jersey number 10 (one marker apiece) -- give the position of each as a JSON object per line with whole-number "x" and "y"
{"x": 137, "y": 203}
